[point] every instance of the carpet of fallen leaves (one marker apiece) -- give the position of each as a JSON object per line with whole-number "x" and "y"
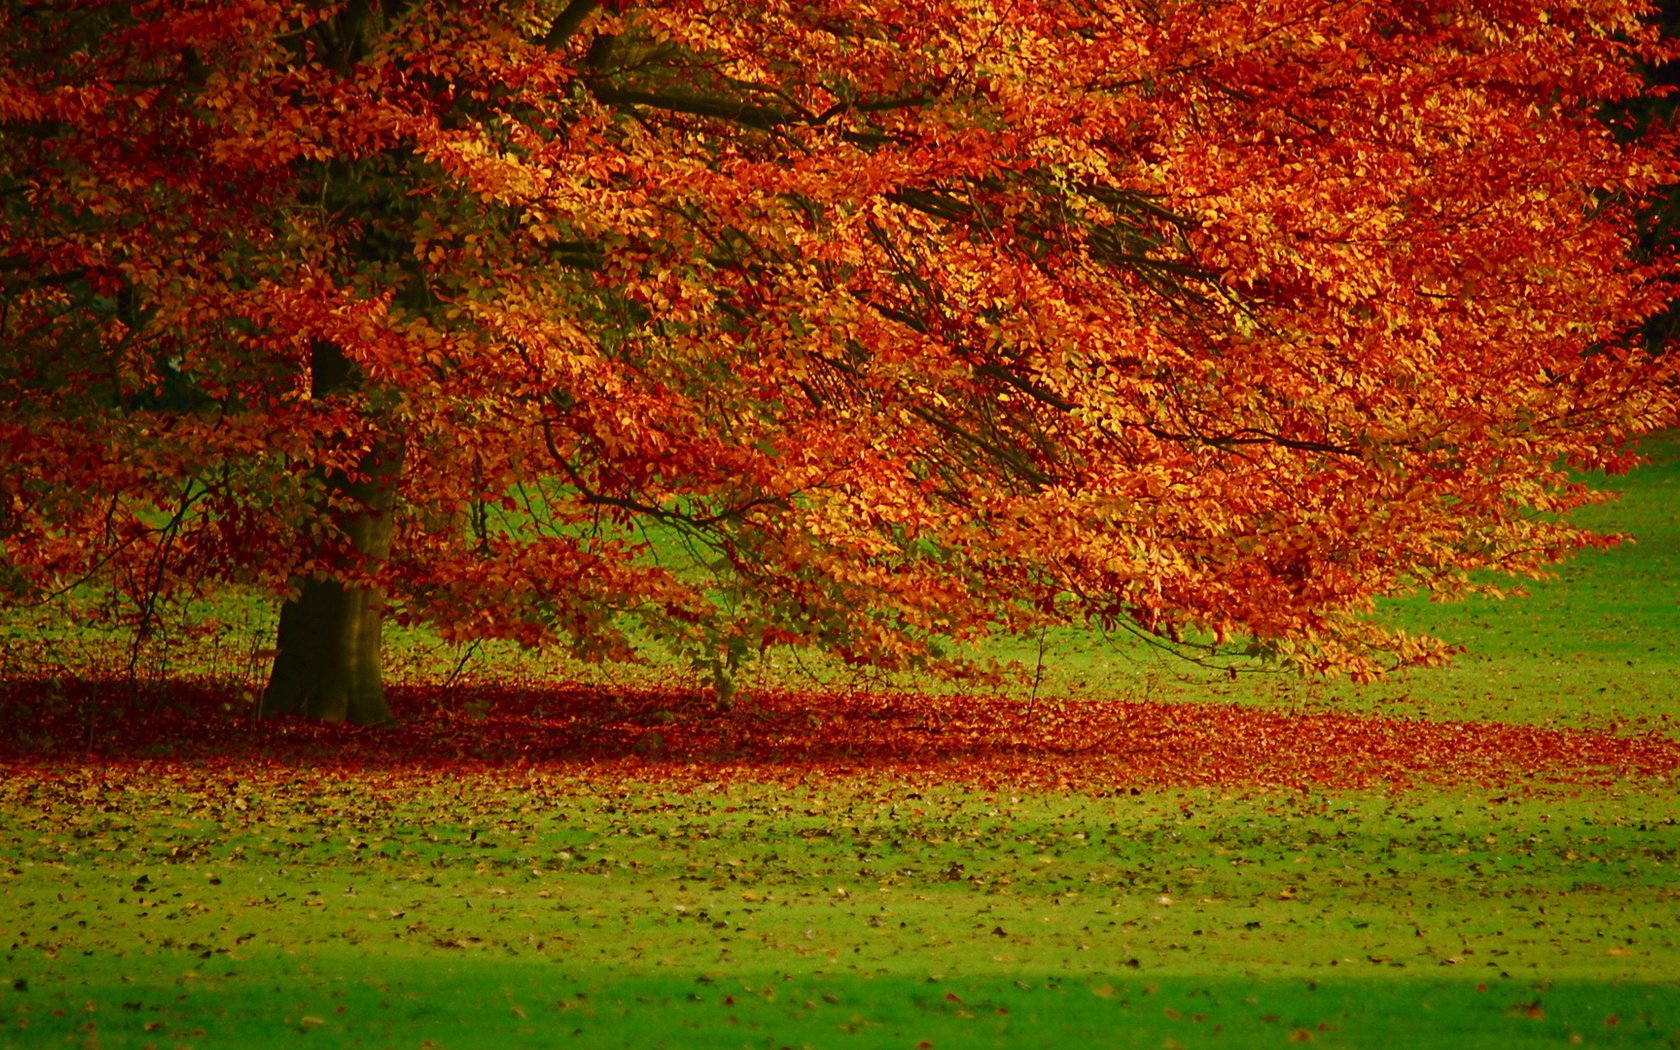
{"x": 678, "y": 736}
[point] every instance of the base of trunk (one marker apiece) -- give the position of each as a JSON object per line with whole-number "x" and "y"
{"x": 328, "y": 666}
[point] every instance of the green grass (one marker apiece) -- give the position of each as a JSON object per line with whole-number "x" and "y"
{"x": 485, "y": 1004}
{"x": 857, "y": 914}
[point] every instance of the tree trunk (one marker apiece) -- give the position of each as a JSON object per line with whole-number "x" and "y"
{"x": 327, "y": 664}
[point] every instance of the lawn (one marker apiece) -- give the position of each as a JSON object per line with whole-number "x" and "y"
{"x": 1485, "y": 855}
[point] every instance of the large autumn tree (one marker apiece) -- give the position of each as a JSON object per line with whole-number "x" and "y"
{"x": 854, "y": 326}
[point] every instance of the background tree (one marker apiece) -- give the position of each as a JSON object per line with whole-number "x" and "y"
{"x": 855, "y": 328}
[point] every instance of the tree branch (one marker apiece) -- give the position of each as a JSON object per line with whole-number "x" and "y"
{"x": 568, "y": 22}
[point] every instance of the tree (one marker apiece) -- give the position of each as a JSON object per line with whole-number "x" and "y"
{"x": 859, "y": 328}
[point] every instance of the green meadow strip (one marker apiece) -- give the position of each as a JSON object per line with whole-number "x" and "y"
{"x": 749, "y": 915}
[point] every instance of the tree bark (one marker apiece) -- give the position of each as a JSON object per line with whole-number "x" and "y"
{"x": 327, "y": 666}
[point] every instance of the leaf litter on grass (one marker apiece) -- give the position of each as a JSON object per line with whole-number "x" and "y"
{"x": 852, "y": 906}
{"x": 677, "y": 735}
{"x": 961, "y": 871}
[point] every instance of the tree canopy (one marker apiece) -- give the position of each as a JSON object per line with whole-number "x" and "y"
{"x": 863, "y": 327}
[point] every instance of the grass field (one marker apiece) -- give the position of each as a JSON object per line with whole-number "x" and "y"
{"x": 1483, "y": 856}
{"x": 379, "y": 909}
